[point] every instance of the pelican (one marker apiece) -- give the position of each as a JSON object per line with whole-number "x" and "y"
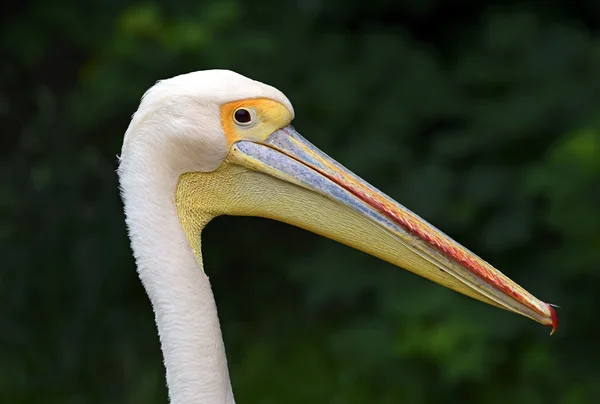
{"x": 214, "y": 142}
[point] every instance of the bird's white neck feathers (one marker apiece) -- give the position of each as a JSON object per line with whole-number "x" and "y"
{"x": 177, "y": 129}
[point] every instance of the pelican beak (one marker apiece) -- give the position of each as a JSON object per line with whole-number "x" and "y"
{"x": 326, "y": 198}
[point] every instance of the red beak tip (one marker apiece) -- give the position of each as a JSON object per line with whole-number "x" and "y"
{"x": 554, "y": 320}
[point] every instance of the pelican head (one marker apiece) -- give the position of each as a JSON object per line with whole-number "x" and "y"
{"x": 214, "y": 142}
{"x": 227, "y": 145}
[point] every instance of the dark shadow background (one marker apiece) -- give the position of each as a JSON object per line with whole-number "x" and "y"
{"x": 483, "y": 117}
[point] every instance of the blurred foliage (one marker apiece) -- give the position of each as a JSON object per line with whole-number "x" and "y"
{"x": 483, "y": 117}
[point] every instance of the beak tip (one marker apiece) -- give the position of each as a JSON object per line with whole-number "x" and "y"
{"x": 553, "y": 319}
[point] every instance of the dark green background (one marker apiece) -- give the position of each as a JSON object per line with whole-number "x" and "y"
{"x": 483, "y": 117}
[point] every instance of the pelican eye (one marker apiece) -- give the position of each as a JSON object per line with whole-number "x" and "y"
{"x": 243, "y": 117}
